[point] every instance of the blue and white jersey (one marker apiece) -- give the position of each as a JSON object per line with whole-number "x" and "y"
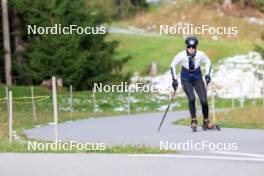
{"x": 191, "y": 65}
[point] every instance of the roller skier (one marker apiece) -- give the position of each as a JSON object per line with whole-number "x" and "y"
{"x": 191, "y": 79}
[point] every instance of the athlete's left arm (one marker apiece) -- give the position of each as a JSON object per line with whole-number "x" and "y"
{"x": 207, "y": 61}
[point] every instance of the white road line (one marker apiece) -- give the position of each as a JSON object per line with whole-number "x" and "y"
{"x": 199, "y": 157}
{"x": 238, "y": 153}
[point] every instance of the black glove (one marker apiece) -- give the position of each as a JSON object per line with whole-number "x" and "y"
{"x": 175, "y": 84}
{"x": 207, "y": 79}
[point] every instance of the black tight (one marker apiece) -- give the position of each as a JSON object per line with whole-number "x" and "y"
{"x": 199, "y": 87}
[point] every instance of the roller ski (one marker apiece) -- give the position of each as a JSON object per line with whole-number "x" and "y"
{"x": 194, "y": 125}
{"x": 207, "y": 125}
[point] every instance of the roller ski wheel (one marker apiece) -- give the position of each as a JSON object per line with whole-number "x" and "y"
{"x": 194, "y": 125}
{"x": 207, "y": 125}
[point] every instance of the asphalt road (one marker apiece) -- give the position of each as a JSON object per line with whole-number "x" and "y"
{"x": 141, "y": 129}
{"x": 123, "y": 165}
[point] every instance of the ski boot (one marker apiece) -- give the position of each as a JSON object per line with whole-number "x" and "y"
{"x": 194, "y": 125}
{"x": 207, "y": 125}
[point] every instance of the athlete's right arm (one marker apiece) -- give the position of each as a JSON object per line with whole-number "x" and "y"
{"x": 174, "y": 63}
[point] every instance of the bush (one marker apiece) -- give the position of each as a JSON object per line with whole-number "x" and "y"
{"x": 79, "y": 60}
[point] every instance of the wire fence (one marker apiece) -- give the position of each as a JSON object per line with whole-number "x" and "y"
{"x": 94, "y": 102}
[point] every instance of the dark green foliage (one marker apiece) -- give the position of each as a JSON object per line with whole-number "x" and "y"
{"x": 260, "y": 5}
{"x": 79, "y": 60}
{"x": 2, "y": 61}
{"x": 260, "y": 49}
{"x": 127, "y": 8}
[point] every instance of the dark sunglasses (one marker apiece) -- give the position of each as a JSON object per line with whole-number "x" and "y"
{"x": 191, "y": 46}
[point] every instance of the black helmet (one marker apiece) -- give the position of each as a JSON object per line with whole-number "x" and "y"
{"x": 191, "y": 41}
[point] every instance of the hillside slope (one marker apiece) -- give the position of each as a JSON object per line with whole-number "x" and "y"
{"x": 250, "y": 22}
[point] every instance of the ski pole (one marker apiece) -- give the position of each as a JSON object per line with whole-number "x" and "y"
{"x": 166, "y": 110}
{"x": 207, "y": 86}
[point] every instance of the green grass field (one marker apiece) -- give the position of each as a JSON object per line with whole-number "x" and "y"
{"x": 201, "y": 14}
{"x": 108, "y": 104}
{"x": 162, "y": 49}
{"x": 250, "y": 117}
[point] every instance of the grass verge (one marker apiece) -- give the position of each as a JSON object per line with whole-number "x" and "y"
{"x": 19, "y": 147}
{"x": 248, "y": 117}
{"x": 109, "y": 104}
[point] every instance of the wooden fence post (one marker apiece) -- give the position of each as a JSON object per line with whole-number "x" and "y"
{"x": 10, "y": 116}
{"x": 33, "y": 103}
{"x": 55, "y": 108}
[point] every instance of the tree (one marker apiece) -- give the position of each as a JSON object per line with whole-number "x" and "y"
{"x": 2, "y": 59}
{"x": 260, "y": 5}
{"x": 6, "y": 38}
{"x": 126, "y": 8}
{"x": 18, "y": 47}
{"x": 79, "y": 60}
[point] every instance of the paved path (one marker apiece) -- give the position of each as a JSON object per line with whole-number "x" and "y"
{"x": 134, "y": 31}
{"x": 142, "y": 130}
{"x": 123, "y": 165}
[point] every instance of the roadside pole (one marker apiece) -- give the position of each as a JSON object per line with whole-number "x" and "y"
{"x": 94, "y": 100}
{"x": 233, "y": 101}
{"x": 254, "y": 91}
{"x": 71, "y": 101}
{"x": 55, "y": 108}
{"x": 242, "y": 100}
{"x": 128, "y": 101}
{"x": 263, "y": 92}
{"x": 10, "y": 116}
{"x": 33, "y": 103}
